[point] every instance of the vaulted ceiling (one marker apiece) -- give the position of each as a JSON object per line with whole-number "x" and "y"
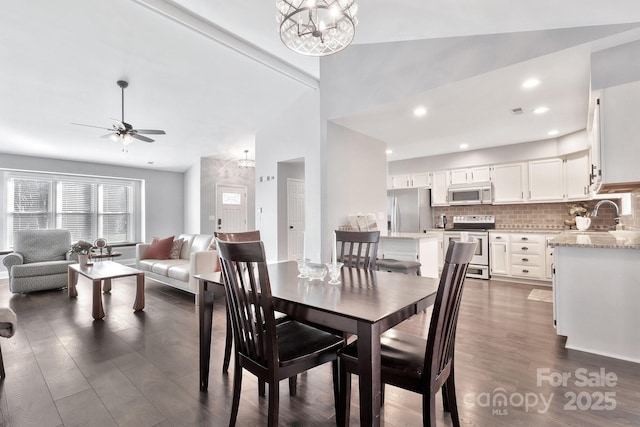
{"x": 213, "y": 73}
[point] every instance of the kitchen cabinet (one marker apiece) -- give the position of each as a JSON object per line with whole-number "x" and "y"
{"x": 528, "y": 256}
{"x": 412, "y": 247}
{"x": 546, "y": 179}
{"x": 618, "y": 136}
{"x": 440, "y": 237}
{"x": 576, "y": 176}
{"x": 509, "y": 183}
{"x": 417, "y": 180}
{"x": 499, "y": 254}
{"x": 470, "y": 175}
{"x": 439, "y": 188}
{"x": 549, "y": 257}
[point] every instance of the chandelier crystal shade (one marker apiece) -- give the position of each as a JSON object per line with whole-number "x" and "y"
{"x": 317, "y": 27}
{"x": 246, "y": 163}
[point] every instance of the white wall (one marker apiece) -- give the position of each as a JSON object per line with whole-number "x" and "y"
{"x": 356, "y": 176}
{"x": 164, "y": 191}
{"x": 293, "y": 135}
{"x": 615, "y": 66}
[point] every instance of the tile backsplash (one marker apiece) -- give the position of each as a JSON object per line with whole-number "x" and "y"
{"x": 542, "y": 215}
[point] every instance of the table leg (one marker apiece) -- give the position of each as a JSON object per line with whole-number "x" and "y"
{"x": 98, "y": 311}
{"x": 72, "y": 280}
{"x": 205, "y": 317}
{"x": 369, "y": 373}
{"x": 106, "y": 286}
{"x": 138, "y": 304}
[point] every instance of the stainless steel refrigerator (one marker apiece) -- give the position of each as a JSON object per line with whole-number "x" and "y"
{"x": 409, "y": 210}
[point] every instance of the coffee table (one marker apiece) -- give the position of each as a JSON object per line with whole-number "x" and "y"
{"x": 101, "y": 272}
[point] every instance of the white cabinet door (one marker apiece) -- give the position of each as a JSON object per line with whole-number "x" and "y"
{"x": 549, "y": 257}
{"x": 458, "y": 176}
{"x": 576, "y": 176}
{"x": 439, "y": 187}
{"x": 420, "y": 180}
{"x": 481, "y": 174}
{"x": 509, "y": 183}
{"x": 499, "y": 253}
{"x": 546, "y": 180}
{"x": 400, "y": 181}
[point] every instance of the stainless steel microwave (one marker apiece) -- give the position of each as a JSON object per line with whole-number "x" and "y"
{"x": 479, "y": 193}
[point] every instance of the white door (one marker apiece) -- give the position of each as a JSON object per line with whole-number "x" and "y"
{"x": 295, "y": 218}
{"x": 231, "y": 208}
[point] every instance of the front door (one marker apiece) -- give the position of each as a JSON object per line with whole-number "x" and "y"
{"x": 231, "y": 208}
{"x": 295, "y": 217}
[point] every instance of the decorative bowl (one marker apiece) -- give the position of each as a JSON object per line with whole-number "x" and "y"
{"x": 316, "y": 271}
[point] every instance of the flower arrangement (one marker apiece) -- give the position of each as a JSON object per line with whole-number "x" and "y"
{"x": 579, "y": 209}
{"x": 81, "y": 247}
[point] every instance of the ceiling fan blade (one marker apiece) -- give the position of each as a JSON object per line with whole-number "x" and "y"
{"x": 140, "y": 137}
{"x": 91, "y": 126}
{"x": 151, "y": 131}
{"x": 109, "y": 135}
{"x": 119, "y": 123}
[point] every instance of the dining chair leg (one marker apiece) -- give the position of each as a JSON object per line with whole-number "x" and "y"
{"x": 2, "y": 374}
{"x": 293, "y": 385}
{"x": 335, "y": 365}
{"x": 344, "y": 406}
{"x": 274, "y": 402}
{"x": 451, "y": 398}
{"x": 227, "y": 344}
{"x": 237, "y": 387}
{"x": 429, "y": 410}
{"x": 262, "y": 389}
{"x": 445, "y": 398}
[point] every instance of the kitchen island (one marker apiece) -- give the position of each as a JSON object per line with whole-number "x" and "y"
{"x": 421, "y": 247}
{"x": 596, "y": 286}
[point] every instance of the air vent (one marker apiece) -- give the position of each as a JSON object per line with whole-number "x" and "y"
{"x": 517, "y": 111}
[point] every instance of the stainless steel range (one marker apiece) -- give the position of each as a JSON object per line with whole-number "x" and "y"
{"x": 477, "y": 226}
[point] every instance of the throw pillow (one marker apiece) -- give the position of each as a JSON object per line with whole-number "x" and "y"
{"x": 176, "y": 249}
{"x": 212, "y": 247}
{"x": 159, "y": 248}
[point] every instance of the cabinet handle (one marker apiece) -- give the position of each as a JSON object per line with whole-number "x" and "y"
{"x": 498, "y": 237}
{"x": 524, "y": 238}
{"x": 524, "y": 248}
{"x": 525, "y": 259}
{"x": 525, "y": 271}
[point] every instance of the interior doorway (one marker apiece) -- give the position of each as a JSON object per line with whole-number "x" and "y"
{"x": 231, "y": 208}
{"x": 295, "y": 218}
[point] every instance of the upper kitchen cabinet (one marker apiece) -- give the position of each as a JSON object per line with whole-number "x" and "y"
{"x": 417, "y": 180}
{"x": 509, "y": 183}
{"x": 617, "y": 145}
{"x": 470, "y": 175}
{"x": 546, "y": 179}
{"x": 439, "y": 187}
{"x": 576, "y": 176}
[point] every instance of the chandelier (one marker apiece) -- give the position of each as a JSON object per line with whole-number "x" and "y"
{"x": 246, "y": 163}
{"x": 317, "y": 27}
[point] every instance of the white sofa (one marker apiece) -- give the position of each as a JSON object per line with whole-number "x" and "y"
{"x": 195, "y": 258}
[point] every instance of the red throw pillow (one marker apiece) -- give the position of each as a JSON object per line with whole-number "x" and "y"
{"x": 159, "y": 249}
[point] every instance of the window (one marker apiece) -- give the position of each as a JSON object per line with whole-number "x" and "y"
{"x": 89, "y": 207}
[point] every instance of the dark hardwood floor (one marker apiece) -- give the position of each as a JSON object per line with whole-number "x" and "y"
{"x": 141, "y": 369}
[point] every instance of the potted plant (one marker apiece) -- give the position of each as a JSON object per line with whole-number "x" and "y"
{"x": 580, "y": 213}
{"x": 81, "y": 249}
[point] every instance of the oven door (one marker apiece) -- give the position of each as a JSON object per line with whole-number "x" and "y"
{"x": 481, "y": 256}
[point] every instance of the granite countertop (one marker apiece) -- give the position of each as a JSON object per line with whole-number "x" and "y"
{"x": 528, "y": 230}
{"x": 593, "y": 239}
{"x": 408, "y": 236}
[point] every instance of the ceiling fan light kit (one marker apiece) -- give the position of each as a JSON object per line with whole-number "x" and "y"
{"x": 317, "y": 27}
{"x": 122, "y": 131}
{"x": 246, "y": 162}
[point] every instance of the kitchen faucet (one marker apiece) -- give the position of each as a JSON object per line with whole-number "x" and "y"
{"x": 609, "y": 202}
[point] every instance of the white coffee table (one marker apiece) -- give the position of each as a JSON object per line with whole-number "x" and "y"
{"x": 103, "y": 272}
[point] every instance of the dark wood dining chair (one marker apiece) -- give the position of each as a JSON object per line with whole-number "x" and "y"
{"x": 413, "y": 363}
{"x": 245, "y": 236}
{"x": 357, "y": 249}
{"x": 269, "y": 350}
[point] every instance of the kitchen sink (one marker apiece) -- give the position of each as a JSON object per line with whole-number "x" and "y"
{"x": 626, "y": 234}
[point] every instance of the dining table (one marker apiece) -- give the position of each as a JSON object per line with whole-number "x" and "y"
{"x": 366, "y": 303}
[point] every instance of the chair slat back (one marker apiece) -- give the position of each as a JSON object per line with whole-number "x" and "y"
{"x": 249, "y": 300}
{"x": 244, "y": 236}
{"x": 442, "y": 330}
{"x": 357, "y": 249}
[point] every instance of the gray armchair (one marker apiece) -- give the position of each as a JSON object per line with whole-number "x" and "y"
{"x": 39, "y": 260}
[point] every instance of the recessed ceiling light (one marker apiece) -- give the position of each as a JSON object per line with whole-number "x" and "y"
{"x": 540, "y": 110}
{"x": 553, "y": 132}
{"x": 419, "y": 111}
{"x": 464, "y": 146}
{"x": 389, "y": 151}
{"x": 528, "y": 84}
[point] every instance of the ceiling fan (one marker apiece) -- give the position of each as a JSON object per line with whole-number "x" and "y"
{"x": 122, "y": 131}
